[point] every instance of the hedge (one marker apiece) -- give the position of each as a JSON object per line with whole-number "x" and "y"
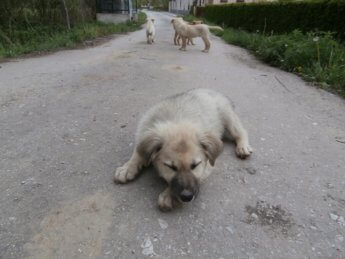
{"x": 281, "y": 17}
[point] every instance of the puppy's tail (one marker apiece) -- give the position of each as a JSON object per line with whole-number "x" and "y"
{"x": 215, "y": 27}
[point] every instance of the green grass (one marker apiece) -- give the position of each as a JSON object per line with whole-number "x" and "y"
{"x": 316, "y": 57}
{"x": 41, "y": 38}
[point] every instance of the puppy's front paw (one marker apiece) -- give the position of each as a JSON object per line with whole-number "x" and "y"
{"x": 123, "y": 174}
{"x": 243, "y": 150}
{"x": 165, "y": 201}
{"x": 205, "y": 50}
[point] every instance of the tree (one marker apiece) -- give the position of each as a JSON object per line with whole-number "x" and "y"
{"x": 66, "y": 14}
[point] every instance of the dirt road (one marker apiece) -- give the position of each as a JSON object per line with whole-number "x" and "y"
{"x": 68, "y": 119}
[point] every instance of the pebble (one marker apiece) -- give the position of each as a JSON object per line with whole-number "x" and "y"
{"x": 229, "y": 228}
{"x": 251, "y": 171}
{"x": 163, "y": 224}
{"x": 147, "y": 247}
{"x": 341, "y": 220}
{"x": 254, "y": 216}
{"x": 333, "y": 216}
{"x": 339, "y": 238}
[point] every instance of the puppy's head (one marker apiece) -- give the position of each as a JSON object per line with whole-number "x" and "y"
{"x": 150, "y": 19}
{"x": 180, "y": 155}
{"x": 176, "y": 19}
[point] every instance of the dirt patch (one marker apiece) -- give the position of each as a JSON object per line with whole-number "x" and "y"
{"x": 75, "y": 230}
{"x": 273, "y": 217}
{"x": 175, "y": 68}
{"x": 126, "y": 54}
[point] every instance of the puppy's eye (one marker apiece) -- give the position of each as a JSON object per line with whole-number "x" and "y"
{"x": 194, "y": 165}
{"x": 172, "y": 167}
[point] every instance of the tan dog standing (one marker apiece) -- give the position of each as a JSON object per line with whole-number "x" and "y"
{"x": 150, "y": 31}
{"x": 178, "y": 38}
{"x": 189, "y": 40}
{"x": 181, "y": 136}
{"x": 192, "y": 31}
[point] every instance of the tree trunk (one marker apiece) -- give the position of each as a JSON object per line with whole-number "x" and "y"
{"x": 66, "y": 14}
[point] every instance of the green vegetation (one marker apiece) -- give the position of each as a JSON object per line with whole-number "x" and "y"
{"x": 24, "y": 38}
{"x": 281, "y": 16}
{"x": 316, "y": 57}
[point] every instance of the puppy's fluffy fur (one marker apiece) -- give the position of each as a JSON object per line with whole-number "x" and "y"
{"x": 150, "y": 31}
{"x": 177, "y": 37}
{"x": 181, "y": 136}
{"x": 192, "y": 31}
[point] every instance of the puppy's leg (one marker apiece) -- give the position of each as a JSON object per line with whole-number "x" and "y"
{"x": 165, "y": 200}
{"x": 207, "y": 44}
{"x": 234, "y": 127}
{"x": 129, "y": 170}
{"x": 184, "y": 43}
{"x": 175, "y": 38}
{"x": 191, "y": 41}
{"x": 179, "y": 38}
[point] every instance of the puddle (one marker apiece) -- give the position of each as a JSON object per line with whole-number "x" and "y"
{"x": 273, "y": 217}
{"x": 75, "y": 230}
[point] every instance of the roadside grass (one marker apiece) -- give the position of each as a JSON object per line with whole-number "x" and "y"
{"x": 42, "y": 38}
{"x": 316, "y": 56}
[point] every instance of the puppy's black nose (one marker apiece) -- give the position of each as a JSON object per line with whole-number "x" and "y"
{"x": 186, "y": 195}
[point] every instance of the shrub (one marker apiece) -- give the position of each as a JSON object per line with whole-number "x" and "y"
{"x": 316, "y": 57}
{"x": 281, "y": 17}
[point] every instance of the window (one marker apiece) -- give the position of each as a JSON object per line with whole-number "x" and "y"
{"x": 223, "y": 1}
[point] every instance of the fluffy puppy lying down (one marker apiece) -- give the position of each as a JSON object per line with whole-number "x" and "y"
{"x": 187, "y": 31}
{"x": 181, "y": 137}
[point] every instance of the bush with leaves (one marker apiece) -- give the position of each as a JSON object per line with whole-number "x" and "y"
{"x": 281, "y": 17}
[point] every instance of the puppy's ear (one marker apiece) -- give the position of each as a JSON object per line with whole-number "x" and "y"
{"x": 212, "y": 147}
{"x": 149, "y": 146}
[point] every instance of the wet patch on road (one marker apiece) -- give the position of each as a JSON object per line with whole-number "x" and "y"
{"x": 273, "y": 217}
{"x": 73, "y": 231}
{"x": 175, "y": 68}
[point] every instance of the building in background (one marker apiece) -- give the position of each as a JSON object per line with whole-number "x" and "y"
{"x": 116, "y": 11}
{"x": 181, "y": 6}
{"x": 185, "y": 6}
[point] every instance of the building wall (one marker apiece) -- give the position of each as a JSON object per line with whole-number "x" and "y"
{"x": 180, "y": 6}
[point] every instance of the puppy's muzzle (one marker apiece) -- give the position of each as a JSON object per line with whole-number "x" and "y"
{"x": 184, "y": 188}
{"x": 186, "y": 195}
